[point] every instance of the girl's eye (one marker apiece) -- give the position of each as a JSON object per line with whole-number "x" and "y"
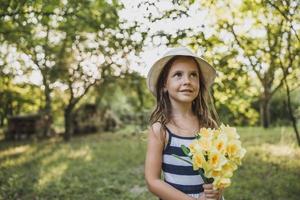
{"x": 194, "y": 75}
{"x": 178, "y": 74}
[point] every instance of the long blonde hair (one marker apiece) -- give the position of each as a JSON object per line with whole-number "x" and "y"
{"x": 200, "y": 106}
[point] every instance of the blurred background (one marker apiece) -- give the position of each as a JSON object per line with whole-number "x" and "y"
{"x": 74, "y": 105}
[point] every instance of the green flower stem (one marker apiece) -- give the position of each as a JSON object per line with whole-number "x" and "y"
{"x": 182, "y": 159}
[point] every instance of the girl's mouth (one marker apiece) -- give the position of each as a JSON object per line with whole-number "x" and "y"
{"x": 187, "y": 90}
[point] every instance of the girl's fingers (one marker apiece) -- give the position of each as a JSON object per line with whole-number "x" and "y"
{"x": 207, "y": 186}
{"x": 211, "y": 191}
{"x": 211, "y": 196}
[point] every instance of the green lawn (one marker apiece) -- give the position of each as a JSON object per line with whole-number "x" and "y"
{"x": 109, "y": 166}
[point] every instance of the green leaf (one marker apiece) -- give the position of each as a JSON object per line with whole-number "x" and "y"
{"x": 185, "y": 150}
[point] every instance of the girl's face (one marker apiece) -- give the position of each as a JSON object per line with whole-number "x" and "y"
{"x": 183, "y": 80}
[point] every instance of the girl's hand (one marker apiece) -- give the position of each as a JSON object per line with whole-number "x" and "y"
{"x": 210, "y": 193}
{"x": 202, "y": 197}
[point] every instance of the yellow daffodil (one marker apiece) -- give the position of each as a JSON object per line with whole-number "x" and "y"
{"x": 230, "y": 132}
{"x": 220, "y": 183}
{"x": 198, "y": 161}
{"x": 205, "y": 143}
{"x": 217, "y": 132}
{"x": 212, "y": 173}
{"x": 216, "y": 160}
{"x": 206, "y": 132}
{"x": 233, "y": 148}
{"x": 217, "y": 154}
{"x": 195, "y": 147}
{"x": 220, "y": 143}
{"x": 228, "y": 168}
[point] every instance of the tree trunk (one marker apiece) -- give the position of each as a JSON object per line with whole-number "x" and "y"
{"x": 1, "y": 120}
{"x": 265, "y": 112}
{"x": 9, "y": 106}
{"x": 140, "y": 95}
{"x": 290, "y": 109}
{"x": 47, "y": 108}
{"x": 7, "y": 110}
{"x": 68, "y": 123}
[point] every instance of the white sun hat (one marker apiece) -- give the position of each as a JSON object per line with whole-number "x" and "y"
{"x": 208, "y": 72}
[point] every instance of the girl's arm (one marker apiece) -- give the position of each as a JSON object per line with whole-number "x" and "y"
{"x": 153, "y": 168}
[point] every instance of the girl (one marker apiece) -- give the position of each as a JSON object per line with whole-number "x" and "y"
{"x": 180, "y": 81}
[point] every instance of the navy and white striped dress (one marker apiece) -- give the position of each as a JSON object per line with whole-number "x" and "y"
{"x": 178, "y": 173}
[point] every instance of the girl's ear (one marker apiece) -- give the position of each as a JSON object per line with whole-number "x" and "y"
{"x": 165, "y": 89}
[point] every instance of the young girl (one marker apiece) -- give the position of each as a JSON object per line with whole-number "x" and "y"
{"x": 180, "y": 81}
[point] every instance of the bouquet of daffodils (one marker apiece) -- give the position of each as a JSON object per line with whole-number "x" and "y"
{"x": 216, "y": 153}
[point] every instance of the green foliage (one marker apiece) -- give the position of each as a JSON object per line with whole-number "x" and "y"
{"x": 110, "y": 166}
{"x": 279, "y": 111}
{"x": 127, "y": 96}
{"x": 17, "y": 99}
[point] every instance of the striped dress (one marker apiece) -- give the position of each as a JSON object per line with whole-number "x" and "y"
{"x": 178, "y": 173}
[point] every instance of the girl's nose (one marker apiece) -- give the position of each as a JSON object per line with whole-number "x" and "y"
{"x": 186, "y": 80}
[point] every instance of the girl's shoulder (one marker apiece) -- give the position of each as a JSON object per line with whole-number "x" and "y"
{"x": 156, "y": 125}
{"x": 158, "y": 130}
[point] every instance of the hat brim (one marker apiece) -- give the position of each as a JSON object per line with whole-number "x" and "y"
{"x": 208, "y": 72}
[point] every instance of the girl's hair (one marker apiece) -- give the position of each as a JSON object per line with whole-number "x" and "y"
{"x": 200, "y": 106}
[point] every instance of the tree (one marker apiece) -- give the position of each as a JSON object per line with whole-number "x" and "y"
{"x": 259, "y": 33}
{"x": 31, "y": 27}
{"x": 15, "y": 97}
{"x": 93, "y": 53}
{"x": 288, "y": 10}
{"x": 62, "y": 37}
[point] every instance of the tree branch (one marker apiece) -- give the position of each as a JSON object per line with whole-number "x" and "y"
{"x": 285, "y": 16}
{"x": 242, "y": 47}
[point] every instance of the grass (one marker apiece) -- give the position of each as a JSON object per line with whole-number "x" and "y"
{"x": 109, "y": 166}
